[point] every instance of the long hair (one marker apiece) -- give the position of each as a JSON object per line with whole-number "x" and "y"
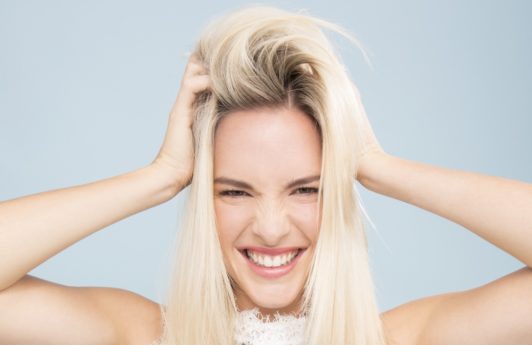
{"x": 256, "y": 57}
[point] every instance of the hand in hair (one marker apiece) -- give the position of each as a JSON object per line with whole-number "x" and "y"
{"x": 370, "y": 150}
{"x": 176, "y": 155}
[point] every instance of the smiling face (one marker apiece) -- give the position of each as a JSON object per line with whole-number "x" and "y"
{"x": 266, "y": 177}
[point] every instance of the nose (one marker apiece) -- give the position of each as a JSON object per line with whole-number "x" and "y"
{"x": 271, "y": 223}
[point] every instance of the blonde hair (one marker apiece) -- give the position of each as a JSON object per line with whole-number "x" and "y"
{"x": 263, "y": 56}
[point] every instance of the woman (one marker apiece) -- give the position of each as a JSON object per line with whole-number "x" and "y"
{"x": 270, "y": 134}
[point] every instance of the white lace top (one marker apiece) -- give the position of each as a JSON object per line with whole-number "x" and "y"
{"x": 253, "y": 329}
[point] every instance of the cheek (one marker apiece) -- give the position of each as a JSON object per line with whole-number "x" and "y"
{"x": 231, "y": 221}
{"x": 303, "y": 215}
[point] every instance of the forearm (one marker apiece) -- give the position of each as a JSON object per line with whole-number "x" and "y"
{"x": 497, "y": 209}
{"x": 34, "y": 228}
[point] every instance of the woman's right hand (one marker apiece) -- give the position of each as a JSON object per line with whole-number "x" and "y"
{"x": 48, "y": 222}
{"x": 176, "y": 155}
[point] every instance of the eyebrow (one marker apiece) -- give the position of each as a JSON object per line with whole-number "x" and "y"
{"x": 245, "y": 185}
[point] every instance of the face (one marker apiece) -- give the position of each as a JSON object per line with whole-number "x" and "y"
{"x": 266, "y": 178}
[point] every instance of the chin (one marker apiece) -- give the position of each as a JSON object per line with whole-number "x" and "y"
{"x": 270, "y": 298}
{"x": 274, "y": 300}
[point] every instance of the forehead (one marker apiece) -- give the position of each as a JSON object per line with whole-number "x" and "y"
{"x": 267, "y": 143}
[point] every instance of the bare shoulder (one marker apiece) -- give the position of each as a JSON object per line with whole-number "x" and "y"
{"x": 37, "y": 311}
{"x": 499, "y": 312}
{"x": 404, "y": 324}
{"x": 137, "y": 319}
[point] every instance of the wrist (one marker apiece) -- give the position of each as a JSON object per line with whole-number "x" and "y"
{"x": 167, "y": 179}
{"x": 371, "y": 168}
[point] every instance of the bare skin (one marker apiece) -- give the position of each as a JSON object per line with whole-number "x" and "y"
{"x": 46, "y": 223}
{"x": 35, "y": 311}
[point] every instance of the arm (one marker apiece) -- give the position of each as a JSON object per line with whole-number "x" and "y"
{"x": 44, "y": 224}
{"x": 497, "y": 209}
{"x": 500, "y": 211}
{"x": 36, "y": 227}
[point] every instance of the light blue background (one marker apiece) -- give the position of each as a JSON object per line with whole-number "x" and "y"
{"x": 85, "y": 89}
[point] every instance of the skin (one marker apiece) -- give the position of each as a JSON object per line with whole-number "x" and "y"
{"x": 36, "y": 311}
{"x": 267, "y": 149}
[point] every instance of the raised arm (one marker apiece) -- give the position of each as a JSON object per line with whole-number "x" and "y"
{"x": 33, "y": 228}
{"x": 495, "y": 208}
{"x": 498, "y": 210}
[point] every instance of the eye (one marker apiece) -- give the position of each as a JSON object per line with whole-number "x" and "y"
{"x": 232, "y": 193}
{"x": 306, "y": 190}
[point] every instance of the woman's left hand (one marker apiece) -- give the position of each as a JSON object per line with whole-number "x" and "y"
{"x": 370, "y": 150}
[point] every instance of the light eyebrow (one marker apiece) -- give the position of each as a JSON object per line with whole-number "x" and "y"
{"x": 245, "y": 185}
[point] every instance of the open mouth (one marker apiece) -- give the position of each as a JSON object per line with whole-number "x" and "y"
{"x": 270, "y": 261}
{"x": 272, "y": 266}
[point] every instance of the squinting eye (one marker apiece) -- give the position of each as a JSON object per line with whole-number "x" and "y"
{"x": 306, "y": 190}
{"x": 232, "y": 193}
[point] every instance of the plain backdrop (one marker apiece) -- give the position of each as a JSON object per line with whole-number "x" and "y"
{"x": 86, "y": 86}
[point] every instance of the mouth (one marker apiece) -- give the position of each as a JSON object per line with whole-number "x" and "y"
{"x": 272, "y": 266}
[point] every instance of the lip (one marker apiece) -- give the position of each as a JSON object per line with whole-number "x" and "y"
{"x": 273, "y": 272}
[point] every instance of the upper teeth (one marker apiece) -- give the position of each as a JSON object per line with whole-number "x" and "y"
{"x": 271, "y": 261}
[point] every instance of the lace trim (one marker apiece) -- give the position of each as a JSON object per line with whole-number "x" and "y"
{"x": 254, "y": 329}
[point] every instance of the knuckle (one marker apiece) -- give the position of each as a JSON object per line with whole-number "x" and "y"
{"x": 187, "y": 84}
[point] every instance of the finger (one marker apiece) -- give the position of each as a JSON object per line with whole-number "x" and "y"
{"x": 193, "y": 71}
{"x": 200, "y": 83}
{"x": 195, "y": 67}
{"x": 193, "y": 57}
{"x": 193, "y": 86}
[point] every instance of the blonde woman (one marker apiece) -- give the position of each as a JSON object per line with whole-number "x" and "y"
{"x": 270, "y": 134}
